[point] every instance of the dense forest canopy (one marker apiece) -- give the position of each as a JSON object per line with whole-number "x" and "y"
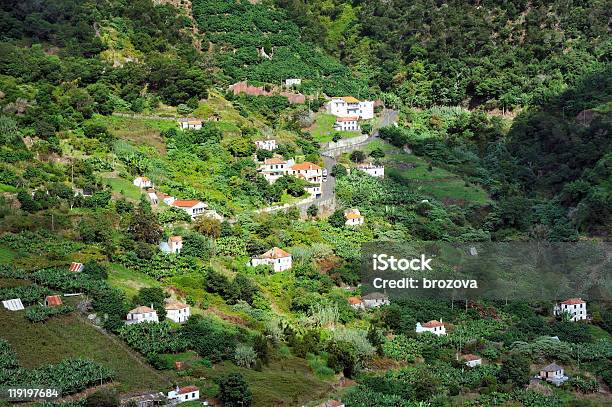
{"x": 499, "y": 54}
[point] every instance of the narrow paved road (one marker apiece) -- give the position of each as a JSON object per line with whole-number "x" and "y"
{"x": 387, "y": 118}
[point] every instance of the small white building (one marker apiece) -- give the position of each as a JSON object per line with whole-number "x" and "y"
{"x": 14, "y": 304}
{"x": 173, "y": 245}
{"x": 156, "y": 197}
{"x": 187, "y": 123}
{"x": 349, "y": 106}
{"x": 193, "y": 207}
{"x": 433, "y": 326}
{"x": 575, "y": 307}
{"x": 143, "y": 182}
{"x": 142, "y": 314}
{"x": 375, "y": 300}
{"x": 274, "y": 168}
{"x": 177, "y": 311}
{"x": 183, "y": 394}
{"x": 372, "y": 169}
{"x": 347, "y": 124}
{"x": 553, "y": 373}
{"x": 269, "y": 145}
{"x": 279, "y": 259}
{"x": 472, "y": 360}
{"x": 353, "y": 217}
{"x": 290, "y": 82}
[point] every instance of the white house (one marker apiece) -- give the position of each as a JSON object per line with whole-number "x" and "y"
{"x": 472, "y": 360}
{"x": 553, "y": 373}
{"x": 290, "y": 82}
{"x": 372, "y": 169}
{"x": 274, "y": 168}
{"x": 433, "y": 326}
{"x": 356, "y": 303}
{"x": 277, "y": 258}
{"x": 187, "y": 123}
{"x": 177, "y": 311}
{"x": 375, "y": 300}
{"x": 76, "y": 267}
{"x": 347, "y": 124}
{"x": 269, "y": 145}
{"x": 353, "y": 217}
{"x": 173, "y": 245}
{"x": 143, "y": 182}
{"x": 142, "y": 314}
{"x": 346, "y": 106}
{"x": 183, "y": 394}
{"x": 575, "y": 307}
{"x": 193, "y": 207}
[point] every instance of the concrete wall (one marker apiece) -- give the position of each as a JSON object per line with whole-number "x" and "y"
{"x": 345, "y": 142}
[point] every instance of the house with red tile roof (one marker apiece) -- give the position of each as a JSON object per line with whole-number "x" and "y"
{"x": 356, "y": 302}
{"x": 348, "y": 106}
{"x": 274, "y": 168}
{"x": 433, "y": 326}
{"x": 183, "y": 394}
{"x": 53, "y": 301}
{"x": 277, "y": 258}
{"x": 575, "y": 308}
{"x": 193, "y": 207}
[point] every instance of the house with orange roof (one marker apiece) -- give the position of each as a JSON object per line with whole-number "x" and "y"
{"x": 471, "y": 360}
{"x": 433, "y": 326}
{"x": 274, "y": 168}
{"x": 349, "y": 123}
{"x": 353, "y": 217}
{"x": 190, "y": 123}
{"x": 277, "y": 258}
{"x": 53, "y": 301}
{"x": 143, "y": 182}
{"x": 311, "y": 173}
{"x": 173, "y": 245}
{"x": 348, "y": 106}
{"x": 142, "y": 314}
{"x": 193, "y": 207}
{"x": 177, "y": 311}
{"x": 575, "y": 308}
{"x": 356, "y": 302}
{"x": 183, "y": 394}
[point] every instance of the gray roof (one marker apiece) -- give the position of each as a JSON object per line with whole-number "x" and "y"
{"x": 375, "y": 296}
{"x": 553, "y": 367}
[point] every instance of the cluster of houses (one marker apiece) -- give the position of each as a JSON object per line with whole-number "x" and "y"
{"x": 274, "y": 168}
{"x": 192, "y": 207}
{"x": 349, "y": 111}
{"x": 368, "y": 301}
{"x": 175, "y": 311}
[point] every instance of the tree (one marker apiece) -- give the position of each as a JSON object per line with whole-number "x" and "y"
{"x": 208, "y": 226}
{"x": 102, "y": 398}
{"x": 337, "y": 137}
{"x": 341, "y": 357}
{"x": 377, "y": 153}
{"x": 515, "y": 370}
{"x": 95, "y": 270}
{"x": 337, "y": 219}
{"x": 357, "y": 156}
{"x": 263, "y": 154}
{"x": 234, "y": 391}
{"x": 144, "y": 226}
{"x": 338, "y": 171}
{"x": 312, "y": 211}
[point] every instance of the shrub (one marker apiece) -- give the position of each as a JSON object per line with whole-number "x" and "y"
{"x": 244, "y": 355}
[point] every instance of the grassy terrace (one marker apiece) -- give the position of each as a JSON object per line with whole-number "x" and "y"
{"x": 69, "y": 336}
{"x": 323, "y": 128}
{"x": 439, "y": 183}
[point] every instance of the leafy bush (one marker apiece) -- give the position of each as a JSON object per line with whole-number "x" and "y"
{"x": 150, "y": 338}
{"x": 40, "y": 314}
{"x": 29, "y": 294}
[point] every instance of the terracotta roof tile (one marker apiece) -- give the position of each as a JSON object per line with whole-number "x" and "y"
{"x": 432, "y": 324}
{"x": 305, "y": 166}
{"x": 174, "y": 305}
{"x": 573, "y": 301}
{"x": 185, "y": 203}
{"x": 53, "y": 300}
{"x": 141, "y": 310}
{"x": 187, "y": 389}
{"x": 275, "y": 253}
